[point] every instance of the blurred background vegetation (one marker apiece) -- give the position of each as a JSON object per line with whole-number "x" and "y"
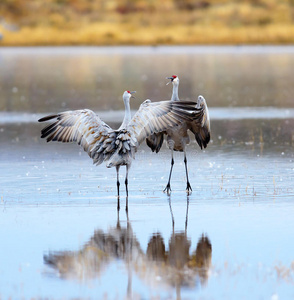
{"x": 146, "y": 22}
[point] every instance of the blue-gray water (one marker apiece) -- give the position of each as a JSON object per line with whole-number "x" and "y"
{"x": 61, "y": 235}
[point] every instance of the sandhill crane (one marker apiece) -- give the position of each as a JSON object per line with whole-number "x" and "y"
{"x": 178, "y": 138}
{"x": 118, "y": 147}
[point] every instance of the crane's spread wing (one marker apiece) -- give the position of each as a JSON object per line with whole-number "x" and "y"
{"x": 118, "y": 146}
{"x": 81, "y": 126}
{"x": 155, "y": 117}
{"x": 201, "y": 130}
{"x": 100, "y": 141}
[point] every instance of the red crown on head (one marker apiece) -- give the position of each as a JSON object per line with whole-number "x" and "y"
{"x": 129, "y": 92}
{"x": 174, "y": 76}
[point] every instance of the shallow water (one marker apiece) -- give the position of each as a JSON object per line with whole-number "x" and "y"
{"x": 54, "y": 79}
{"x": 61, "y": 234}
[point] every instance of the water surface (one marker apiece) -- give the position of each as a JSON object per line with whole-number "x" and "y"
{"x": 46, "y": 79}
{"x": 232, "y": 238}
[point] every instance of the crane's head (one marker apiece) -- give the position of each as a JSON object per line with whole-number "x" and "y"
{"x": 174, "y": 79}
{"x": 128, "y": 95}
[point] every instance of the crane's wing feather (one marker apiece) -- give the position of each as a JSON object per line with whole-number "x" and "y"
{"x": 81, "y": 126}
{"x": 201, "y": 130}
{"x": 155, "y": 117}
{"x": 155, "y": 141}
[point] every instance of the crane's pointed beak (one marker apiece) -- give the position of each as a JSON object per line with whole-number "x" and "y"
{"x": 133, "y": 92}
{"x": 171, "y": 80}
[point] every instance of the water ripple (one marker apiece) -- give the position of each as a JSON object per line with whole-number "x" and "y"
{"x": 216, "y": 113}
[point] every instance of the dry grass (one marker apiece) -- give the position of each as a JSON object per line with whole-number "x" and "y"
{"x": 222, "y": 22}
{"x": 118, "y": 34}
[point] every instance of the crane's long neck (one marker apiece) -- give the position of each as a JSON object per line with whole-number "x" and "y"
{"x": 127, "y": 117}
{"x": 175, "y": 95}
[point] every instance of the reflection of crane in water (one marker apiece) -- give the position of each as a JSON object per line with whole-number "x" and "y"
{"x": 157, "y": 267}
{"x": 177, "y": 136}
{"x": 179, "y": 267}
{"x": 118, "y": 243}
{"x": 118, "y": 147}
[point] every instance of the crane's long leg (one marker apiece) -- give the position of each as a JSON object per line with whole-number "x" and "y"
{"x": 167, "y": 188}
{"x": 118, "y": 184}
{"x": 188, "y": 188}
{"x": 126, "y": 183}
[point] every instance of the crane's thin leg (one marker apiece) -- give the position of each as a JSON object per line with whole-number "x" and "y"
{"x": 188, "y": 188}
{"x": 118, "y": 184}
{"x": 126, "y": 183}
{"x": 167, "y": 188}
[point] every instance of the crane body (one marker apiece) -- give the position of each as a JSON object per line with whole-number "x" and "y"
{"x": 178, "y": 137}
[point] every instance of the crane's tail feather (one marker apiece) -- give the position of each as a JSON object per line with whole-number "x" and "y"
{"x": 117, "y": 147}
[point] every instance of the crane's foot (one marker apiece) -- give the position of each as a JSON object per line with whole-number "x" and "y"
{"x": 188, "y": 188}
{"x": 167, "y": 189}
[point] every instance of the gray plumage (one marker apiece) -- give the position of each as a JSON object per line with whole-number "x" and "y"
{"x": 118, "y": 147}
{"x": 177, "y": 136}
